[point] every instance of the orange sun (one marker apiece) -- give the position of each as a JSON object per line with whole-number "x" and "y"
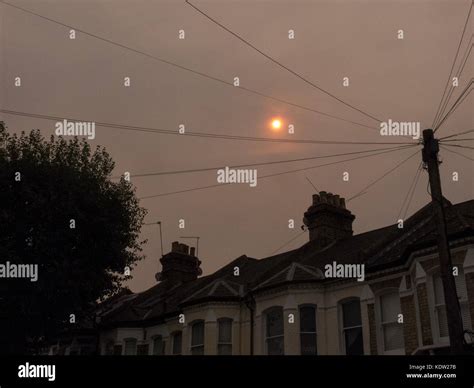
{"x": 276, "y": 124}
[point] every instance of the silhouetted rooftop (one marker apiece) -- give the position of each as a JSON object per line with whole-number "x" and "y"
{"x": 382, "y": 248}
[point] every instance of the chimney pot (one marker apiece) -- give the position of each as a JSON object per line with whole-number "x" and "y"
{"x": 331, "y": 199}
{"x": 316, "y": 199}
{"x": 323, "y": 195}
{"x": 343, "y": 203}
{"x": 175, "y": 246}
{"x": 183, "y": 248}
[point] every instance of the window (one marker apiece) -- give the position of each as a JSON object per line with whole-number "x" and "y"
{"x": 158, "y": 346}
{"x": 197, "y": 338}
{"x": 130, "y": 346}
{"x": 177, "y": 338}
{"x": 117, "y": 350}
{"x": 308, "y": 330}
{"x": 142, "y": 350}
{"x": 224, "y": 337}
{"x": 391, "y": 330}
{"x": 274, "y": 336}
{"x": 439, "y": 305}
{"x": 352, "y": 327}
{"x": 440, "y": 309}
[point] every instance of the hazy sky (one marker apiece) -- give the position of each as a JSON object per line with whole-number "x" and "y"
{"x": 389, "y": 78}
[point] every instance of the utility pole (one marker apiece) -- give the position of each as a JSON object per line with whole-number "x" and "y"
{"x": 453, "y": 312}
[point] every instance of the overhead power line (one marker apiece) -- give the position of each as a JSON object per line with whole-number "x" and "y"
{"x": 279, "y": 63}
{"x": 276, "y": 174}
{"x": 409, "y": 196}
{"x": 176, "y": 65}
{"x": 196, "y": 134}
{"x": 458, "y": 76}
{"x": 175, "y": 172}
{"x": 459, "y": 139}
{"x": 456, "y": 134}
{"x": 454, "y": 62}
{"x": 312, "y": 184}
{"x": 364, "y": 190}
{"x": 459, "y": 146}
{"x": 288, "y": 242}
{"x": 457, "y": 153}
{"x": 457, "y": 103}
{"x": 412, "y": 193}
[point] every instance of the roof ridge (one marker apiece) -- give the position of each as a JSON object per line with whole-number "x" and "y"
{"x": 226, "y": 285}
{"x": 291, "y": 272}
{"x": 214, "y": 284}
{"x": 275, "y": 275}
{"x": 200, "y": 290}
{"x": 307, "y": 268}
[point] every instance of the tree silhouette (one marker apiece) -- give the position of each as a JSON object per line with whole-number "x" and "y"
{"x": 59, "y": 210}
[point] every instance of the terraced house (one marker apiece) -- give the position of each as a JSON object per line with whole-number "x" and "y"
{"x": 284, "y": 304}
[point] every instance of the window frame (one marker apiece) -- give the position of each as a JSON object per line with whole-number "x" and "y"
{"x": 219, "y": 343}
{"x": 200, "y": 345}
{"x": 380, "y": 324}
{"x": 265, "y": 328}
{"x": 434, "y": 307}
{"x": 173, "y": 336}
{"x": 437, "y": 306}
{"x": 343, "y": 329}
{"x": 315, "y": 333}
{"x": 153, "y": 339}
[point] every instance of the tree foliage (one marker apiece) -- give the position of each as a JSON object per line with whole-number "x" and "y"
{"x": 47, "y": 187}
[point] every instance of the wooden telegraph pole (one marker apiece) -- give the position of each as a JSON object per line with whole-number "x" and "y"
{"x": 455, "y": 327}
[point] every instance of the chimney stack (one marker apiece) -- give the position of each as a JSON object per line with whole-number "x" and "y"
{"x": 180, "y": 265}
{"x": 327, "y": 219}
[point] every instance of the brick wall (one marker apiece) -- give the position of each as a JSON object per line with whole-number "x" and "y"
{"x": 410, "y": 332}
{"x": 426, "y": 334}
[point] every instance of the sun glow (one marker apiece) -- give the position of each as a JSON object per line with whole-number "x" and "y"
{"x": 276, "y": 124}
